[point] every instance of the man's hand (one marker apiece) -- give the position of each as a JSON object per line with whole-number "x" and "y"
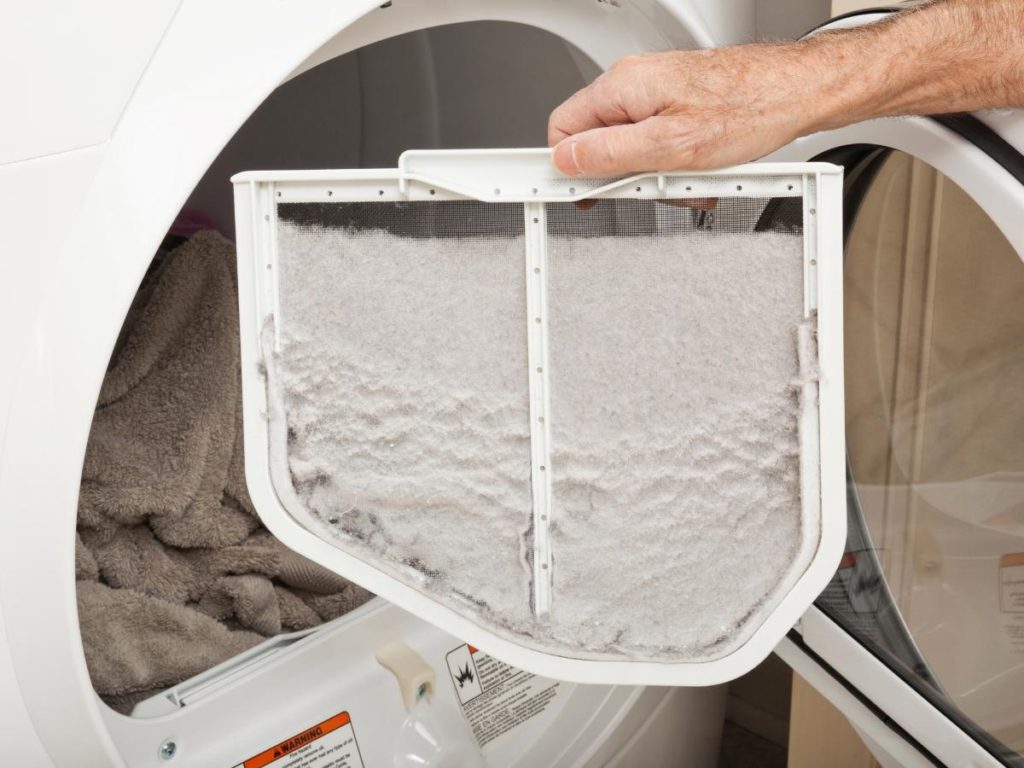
{"x": 694, "y": 110}
{"x": 691, "y": 109}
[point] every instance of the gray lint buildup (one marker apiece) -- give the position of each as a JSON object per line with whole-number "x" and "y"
{"x": 402, "y": 369}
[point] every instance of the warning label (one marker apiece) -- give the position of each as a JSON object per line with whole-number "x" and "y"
{"x": 1011, "y": 583}
{"x": 496, "y": 698}
{"x": 1011, "y": 599}
{"x": 330, "y": 744}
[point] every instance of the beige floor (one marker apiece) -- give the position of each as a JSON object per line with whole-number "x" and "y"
{"x": 820, "y": 735}
{"x": 775, "y": 719}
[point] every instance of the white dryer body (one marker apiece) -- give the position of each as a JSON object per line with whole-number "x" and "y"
{"x": 115, "y": 113}
{"x": 120, "y": 111}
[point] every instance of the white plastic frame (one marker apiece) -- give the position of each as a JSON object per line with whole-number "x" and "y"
{"x": 527, "y": 177}
{"x": 853, "y": 665}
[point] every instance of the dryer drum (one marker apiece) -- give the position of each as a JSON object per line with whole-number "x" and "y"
{"x": 175, "y": 572}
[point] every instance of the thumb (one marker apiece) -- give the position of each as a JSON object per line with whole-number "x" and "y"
{"x": 617, "y": 149}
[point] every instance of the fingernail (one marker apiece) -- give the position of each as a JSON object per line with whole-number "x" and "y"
{"x": 565, "y": 159}
{"x": 575, "y": 162}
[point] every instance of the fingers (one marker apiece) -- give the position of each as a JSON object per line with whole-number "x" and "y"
{"x": 614, "y": 150}
{"x": 565, "y": 159}
{"x": 576, "y": 114}
{"x": 620, "y": 95}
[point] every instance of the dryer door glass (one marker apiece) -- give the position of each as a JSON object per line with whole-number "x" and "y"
{"x": 933, "y": 577}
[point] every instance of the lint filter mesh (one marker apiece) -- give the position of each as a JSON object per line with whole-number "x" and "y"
{"x": 668, "y": 401}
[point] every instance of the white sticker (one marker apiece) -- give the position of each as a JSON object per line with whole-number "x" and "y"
{"x": 1011, "y": 599}
{"x": 1011, "y": 584}
{"x": 330, "y": 744}
{"x": 864, "y": 594}
{"x": 496, "y": 698}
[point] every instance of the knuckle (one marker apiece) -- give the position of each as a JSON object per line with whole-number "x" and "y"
{"x": 692, "y": 154}
{"x": 627, "y": 65}
{"x": 680, "y": 151}
{"x": 601, "y": 88}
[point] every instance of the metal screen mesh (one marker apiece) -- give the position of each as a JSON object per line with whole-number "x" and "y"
{"x": 460, "y": 219}
{"x": 596, "y": 218}
{"x": 627, "y": 217}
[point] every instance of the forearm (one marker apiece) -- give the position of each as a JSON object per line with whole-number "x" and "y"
{"x": 717, "y": 107}
{"x": 946, "y": 56}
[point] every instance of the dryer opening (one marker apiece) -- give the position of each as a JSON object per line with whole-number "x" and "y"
{"x": 176, "y": 574}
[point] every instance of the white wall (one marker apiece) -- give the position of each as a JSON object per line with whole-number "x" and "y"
{"x": 789, "y": 19}
{"x": 845, "y": 6}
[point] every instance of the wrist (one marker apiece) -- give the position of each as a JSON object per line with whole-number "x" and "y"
{"x": 851, "y": 75}
{"x": 952, "y": 56}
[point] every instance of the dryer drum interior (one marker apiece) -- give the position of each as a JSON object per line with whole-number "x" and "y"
{"x": 170, "y": 549}
{"x": 187, "y": 604}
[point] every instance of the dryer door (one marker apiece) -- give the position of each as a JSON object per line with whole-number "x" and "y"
{"x": 924, "y": 619}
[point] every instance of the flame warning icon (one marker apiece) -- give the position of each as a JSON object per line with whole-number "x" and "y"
{"x": 464, "y": 675}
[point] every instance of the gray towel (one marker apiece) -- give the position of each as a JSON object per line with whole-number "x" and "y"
{"x": 175, "y": 571}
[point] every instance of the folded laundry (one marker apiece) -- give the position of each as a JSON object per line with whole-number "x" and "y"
{"x": 175, "y": 572}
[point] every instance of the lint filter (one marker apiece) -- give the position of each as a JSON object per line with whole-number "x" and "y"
{"x": 593, "y": 426}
